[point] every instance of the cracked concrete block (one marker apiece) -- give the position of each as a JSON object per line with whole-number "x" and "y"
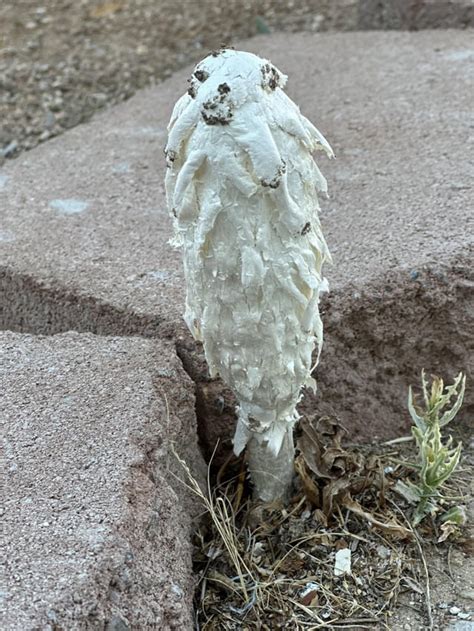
{"x": 97, "y": 528}
{"x": 86, "y": 231}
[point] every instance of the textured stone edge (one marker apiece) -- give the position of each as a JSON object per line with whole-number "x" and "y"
{"x": 378, "y": 337}
{"x": 131, "y": 583}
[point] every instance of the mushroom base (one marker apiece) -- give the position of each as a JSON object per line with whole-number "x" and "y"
{"x": 272, "y": 475}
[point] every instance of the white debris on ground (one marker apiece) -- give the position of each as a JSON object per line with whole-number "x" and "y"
{"x": 342, "y": 564}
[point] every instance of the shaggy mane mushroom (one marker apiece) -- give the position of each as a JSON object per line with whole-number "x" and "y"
{"x": 242, "y": 188}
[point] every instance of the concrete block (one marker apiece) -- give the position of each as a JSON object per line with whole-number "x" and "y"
{"x": 97, "y": 528}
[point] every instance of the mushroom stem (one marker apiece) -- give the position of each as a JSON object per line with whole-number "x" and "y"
{"x": 271, "y": 474}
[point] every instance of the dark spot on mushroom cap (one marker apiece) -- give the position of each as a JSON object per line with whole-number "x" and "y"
{"x": 306, "y": 228}
{"x": 201, "y": 75}
{"x": 220, "y": 50}
{"x": 274, "y": 80}
{"x": 218, "y": 109}
{"x": 216, "y": 119}
{"x": 223, "y": 88}
{"x": 271, "y": 76}
{"x": 192, "y": 91}
{"x": 275, "y": 182}
{"x": 253, "y": 423}
{"x": 170, "y": 156}
{"x": 210, "y": 105}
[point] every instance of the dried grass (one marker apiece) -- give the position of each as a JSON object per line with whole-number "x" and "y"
{"x": 266, "y": 566}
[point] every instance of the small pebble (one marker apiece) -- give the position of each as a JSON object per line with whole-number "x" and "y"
{"x": 10, "y": 149}
{"x": 343, "y": 562}
{"x": 383, "y": 552}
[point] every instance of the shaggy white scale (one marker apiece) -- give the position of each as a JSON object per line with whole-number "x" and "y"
{"x": 242, "y": 188}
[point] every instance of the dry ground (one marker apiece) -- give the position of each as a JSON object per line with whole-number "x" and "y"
{"x": 62, "y": 60}
{"x": 281, "y": 573}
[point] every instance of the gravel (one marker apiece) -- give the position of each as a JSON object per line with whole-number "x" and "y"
{"x": 63, "y": 60}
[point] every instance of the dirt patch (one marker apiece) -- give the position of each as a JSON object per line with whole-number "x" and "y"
{"x": 354, "y": 561}
{"x": 62, "y": 61}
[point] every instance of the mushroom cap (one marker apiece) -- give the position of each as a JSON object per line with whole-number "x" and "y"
{"x": 245, "y": 74}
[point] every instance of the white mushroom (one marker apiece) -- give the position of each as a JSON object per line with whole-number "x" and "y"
{"x": 242, "y": 188}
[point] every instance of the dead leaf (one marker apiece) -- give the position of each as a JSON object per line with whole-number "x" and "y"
{"x": 409, "y": 493}
{"x": 341, "y": 544}
{"x": 334, "y": 493}
{"x": 448, "y": 528}
{"x": 310, "y": 599}
{"x": 310, "y": 446}
{"x": 309, "y": 595}
{"x": 392, "y": 527}
{"x": 310, "y": 488}
{"x": 331, "y": 427}
{"x": 339, "y": 472}
{"x": 223, "y": 581}
{"x": 325, "y": 539}
{"x": 320, "y": 518}
{"x": 291, "y": 565}
{"x": 320, "y": 445}
{"x": 413, "y": 585}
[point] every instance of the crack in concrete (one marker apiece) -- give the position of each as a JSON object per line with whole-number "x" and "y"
{"x": 30, "y": 307}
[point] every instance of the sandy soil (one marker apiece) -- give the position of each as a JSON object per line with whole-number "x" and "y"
{"x": 61, "y": 61}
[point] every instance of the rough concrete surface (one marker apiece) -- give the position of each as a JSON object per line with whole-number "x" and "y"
{"x": 97, "y": 529}
{"x": 85, "y": 230}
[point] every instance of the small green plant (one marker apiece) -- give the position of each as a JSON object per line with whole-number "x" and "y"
{"x": 438, "y": 459}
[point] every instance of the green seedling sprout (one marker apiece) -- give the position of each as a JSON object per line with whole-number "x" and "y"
{"x": 438, "y": 459}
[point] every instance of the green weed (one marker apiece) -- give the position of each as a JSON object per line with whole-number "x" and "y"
{"x": 438, "y": 459}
